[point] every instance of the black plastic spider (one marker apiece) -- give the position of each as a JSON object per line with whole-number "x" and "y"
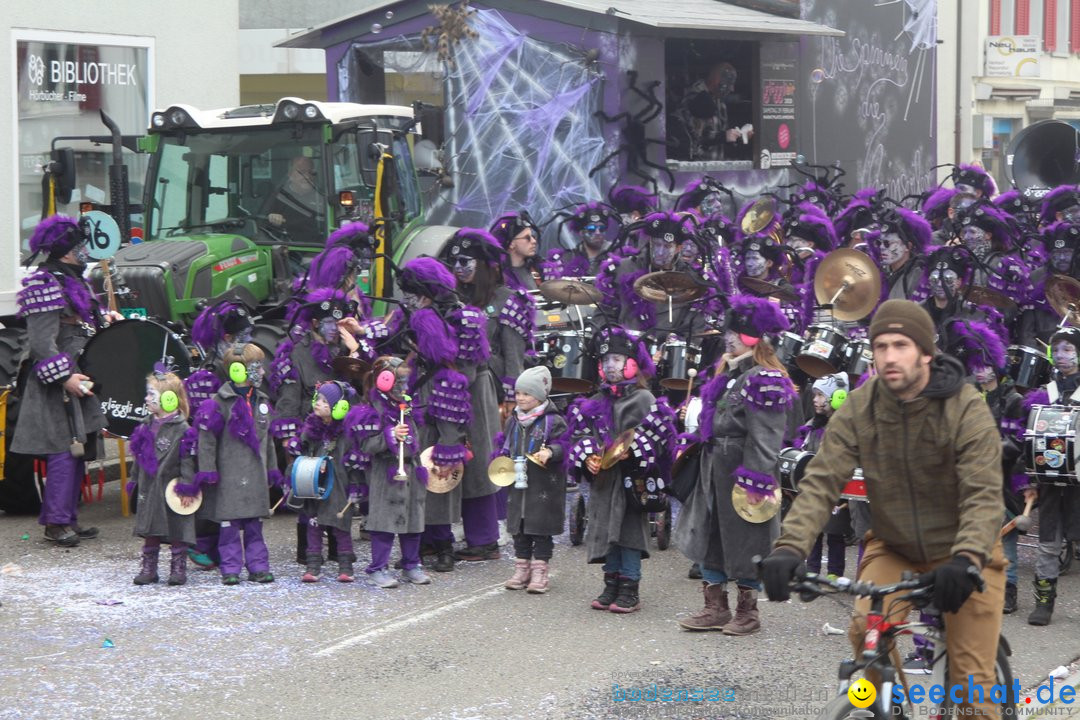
{"x": 633, "y": 141}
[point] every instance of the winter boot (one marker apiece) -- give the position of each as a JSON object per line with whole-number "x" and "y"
{"x": 538, "y": 583}
{"x": 345, "y": 569}
{"x": 716, "y": 613}
{"x": 746, "y": 614}
{"x": 1045, "y": 594}
{"x": 520, "y": 577}
{"x": 611, "y": 589}
{"x": 314, "y": 568}
{"x": 444, "y": 556}
{"x": 301, "y": 544}
{"x": 148, "y": 574}
{"x": 178, "y": 565}
{"x": 627, "y": 601}
{"x": 1010, "y": 599}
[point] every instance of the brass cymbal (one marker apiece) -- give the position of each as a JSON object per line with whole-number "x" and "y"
{"x": 613, "y": 453}
{"x": 1063, "y": 294}
{"x": 980, "y": 295}
{"x": 570, "y": 292}
{"x": 659, "y": 286}
{"x": 763, "y": 509}
{"x": 437, "y": 484}
{"x": 533, "y": 459}
{"x": 688, "y": 454}
{"x": 174, "y": 502}
{"x": 759, "y": 216}
{"x": 350, "y": 368}
{"x": 856, "y": 274}
{"x": 765, "y": 288}
{"x": 501, "y": 471}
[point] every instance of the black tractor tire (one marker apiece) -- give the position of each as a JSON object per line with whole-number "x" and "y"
{"x": 18, "y": 493}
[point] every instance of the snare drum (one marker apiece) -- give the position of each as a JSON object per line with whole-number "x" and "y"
{"x": 788, "y": 347}
{"x": 858, "y": 357}
{"x": 572, "y": 369}
{"x": 1028, "y": 367}
{"x": 312, "y": 478}
{"x": 823, "y": 352}
{"x": 119, "y": 358}
{"x": 1049, "y": 443}
{"x": 679, "y": 357}
{"x": 790, "y": 466}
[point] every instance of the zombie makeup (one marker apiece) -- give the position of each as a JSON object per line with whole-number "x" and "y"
{"x": 892, "y": 248}
{"x": 984, "y": 375}
{"x": 754, "y": 263}
{"x": 1061, "y": 259}
{"x": 255, "y": 373}
{"x": 82, "y": 253}
{"x": 663, "y": 250}
{"x": 411, "y": 300}
{"x": 464, "y": 268}
{"x": 1065, "y": 357}
{"x": 328, "y": 329}
{"x": 152, "y": 399}
{"x": 733, "y": 344}
{"x": 977, "y": 241}
{"x": 613, "y": 365}
{"x": 944, "y": 283}
{"x": 711, "y": 205}
{"x": 689, "y": 252}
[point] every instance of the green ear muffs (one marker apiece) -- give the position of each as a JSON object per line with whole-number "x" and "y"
{"x": 838, "y": 399}
{"x": 238, "y": 373}
{"x": 168, "y": 401}
{"x": 340, "y": 409}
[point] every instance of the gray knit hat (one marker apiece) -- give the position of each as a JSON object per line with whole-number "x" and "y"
{"x": 535, "y": 381}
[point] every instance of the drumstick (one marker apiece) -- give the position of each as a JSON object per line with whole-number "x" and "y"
{"x": 690, "y": 375}
{"x": 1009, "y": 526}
{"x": 341, "y": 513}
{"x": 278, "y": 503}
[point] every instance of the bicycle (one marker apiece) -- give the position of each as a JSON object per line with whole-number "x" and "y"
{"x": 880, "y": 637}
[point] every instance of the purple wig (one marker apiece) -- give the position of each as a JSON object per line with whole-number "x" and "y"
{"x": 756, "y": 317}
{"x": 353, "y": 234}
{"x": 427, "y": 277}
{"x": 330, "y": 267}
{"x": 217, "y": 321}
{"x": 858, "y": 213}
{"x": 977, "y": 344}
{"x": 911, "y": 226}
{"x": 935, "y": 207}
{"x": 1058, "y": 200}
{"x": 632, "y": 198}
{"x": 813, "y": 226}
{"x": 56, "y": 235}
{"x": 976, "y": 177}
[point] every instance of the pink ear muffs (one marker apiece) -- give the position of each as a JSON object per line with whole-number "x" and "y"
{"x": 630, "y": 369}
{"x": 749, "y": 341}
{"x": 385, "y": 381}
{"x": 600, "y": 370}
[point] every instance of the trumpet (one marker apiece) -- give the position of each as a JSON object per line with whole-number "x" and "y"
{"x": 400, "y": 476}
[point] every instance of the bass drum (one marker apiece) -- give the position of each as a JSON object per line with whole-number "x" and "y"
{"x": 1028, "y": 367}
{"x": 823, "y": 352}
{"x": 119, "y": 358}
{"x": 573, "y": 370}
{"x": 858, "y": 358}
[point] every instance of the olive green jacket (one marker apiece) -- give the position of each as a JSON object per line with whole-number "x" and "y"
{"x": 932, "y": 467}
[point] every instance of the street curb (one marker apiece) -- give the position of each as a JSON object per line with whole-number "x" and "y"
{"x": 1053, "y": 708}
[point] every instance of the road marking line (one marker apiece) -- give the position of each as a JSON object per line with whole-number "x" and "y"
{"x": 390, "y": 626}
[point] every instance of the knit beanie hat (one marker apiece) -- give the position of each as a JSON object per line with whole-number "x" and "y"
{"x": 906, "y": 318}
{"x": 829, "y": 384}
{"x": 331, "y": 392}
{"x": 535, "y": 381}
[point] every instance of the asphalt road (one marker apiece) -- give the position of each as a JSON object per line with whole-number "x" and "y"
{"x": 462, "y": 647}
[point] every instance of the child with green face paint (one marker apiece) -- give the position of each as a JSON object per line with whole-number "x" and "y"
{"x": 160, "y": 456}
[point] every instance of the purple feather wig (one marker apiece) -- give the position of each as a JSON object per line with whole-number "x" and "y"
{"x": 977, "y": 344}
{"x": 583, "y": 213}
{"x": 813, "y": 226}
{"x": 142, "y": 448}
{"x": 429, "y": 278}
{"x": 209, "y": 327}
{"x": 818, "y": 196}
{"x": 916, "y": 229}
{"x": 858, "y": 213}
{"x": 473, "y": 242}
{"x": 56, "y": 235}
{"x": 330, "y": 267}
{"x": 632, "y": 198}
{"x": 242, "y": 426}
{"x": 434, "y": 338}
{"x": 935, "y": 207}
{"x": 977, "y": 177}
{"x": 353, "y": 234}
{"x": 756, "y": 317}
{"x": 1058, "y": 200}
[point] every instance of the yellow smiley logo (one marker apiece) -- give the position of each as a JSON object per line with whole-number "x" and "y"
{"x": 862, "y": 693}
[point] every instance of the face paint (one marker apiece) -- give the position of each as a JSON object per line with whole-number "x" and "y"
{"x": 82, "y": 253}
{"x": 593, "y": 236}
{"x": 152, "y": 399}
{"x": 711, "y": 205}
{"x": 322, "y": 408}
{"x": 255, "y": 373}
{"x": 1061, "y": 259}
{"x": 977, "y": 241}
{"x": 984, "y": 375}
{"x": 941, "y": 281}
{"x": 804, "y": 247}
{"x": 1065, "y": 357}
{"x": 613, "y": 365}
{"x": 962, "y": 200}
{"x": 663, "y": 252}
{"x": 464, "y": 268}
{"x": 689, "y": 251}
{"x": 364, "y": 259}
{"x": 754, "y": 263}
{"x": 733, "y": 344}
{"x": 328, "y": 330}
{"x": 1072, "y": 215}
{"x": 411, "y": 301}
{"x": 892, "y": 248}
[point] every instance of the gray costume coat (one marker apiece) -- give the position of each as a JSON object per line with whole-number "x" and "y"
{"x": 745, "y": 433}
{"x": 539, "y": 509}
{"x": 330, "y": 441}
{"x": 57, "y": 333}
{"x": 153, "y": 518}
{"x": 393, "y": 507}
{"x": 233, "y": 476}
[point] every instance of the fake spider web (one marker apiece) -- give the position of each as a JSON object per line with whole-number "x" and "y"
{"x": 520, "y": 126}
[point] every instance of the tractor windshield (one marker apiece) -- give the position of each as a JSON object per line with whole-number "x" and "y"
{"x": 267, "y": 184}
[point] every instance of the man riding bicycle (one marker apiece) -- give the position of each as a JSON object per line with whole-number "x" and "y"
{"x": 931, "y": 456}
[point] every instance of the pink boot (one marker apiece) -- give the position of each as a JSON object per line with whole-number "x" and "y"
{"x": 539, "y": 582}
{"x": 521, "y": 575}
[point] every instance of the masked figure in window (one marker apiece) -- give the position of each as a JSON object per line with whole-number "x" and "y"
{"x": 520, "y": 238}
{"x": 590, "y": 225}
{"x": 58, "y": 407}
{"x": 460, "y": 409}
{"x": 1039, "y": 321}
{"x": 666, "y": 234}
{"x": 703, "y": 113}
{"x": 1059, "y": 506}
{"x": 298, "y": 206}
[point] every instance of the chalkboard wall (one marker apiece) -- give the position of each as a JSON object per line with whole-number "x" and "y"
{"x": 868, "y": 97}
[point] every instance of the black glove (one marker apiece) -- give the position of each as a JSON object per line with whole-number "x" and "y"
{"x": 954, "y": 582}
{"x": 778, "y": 570}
